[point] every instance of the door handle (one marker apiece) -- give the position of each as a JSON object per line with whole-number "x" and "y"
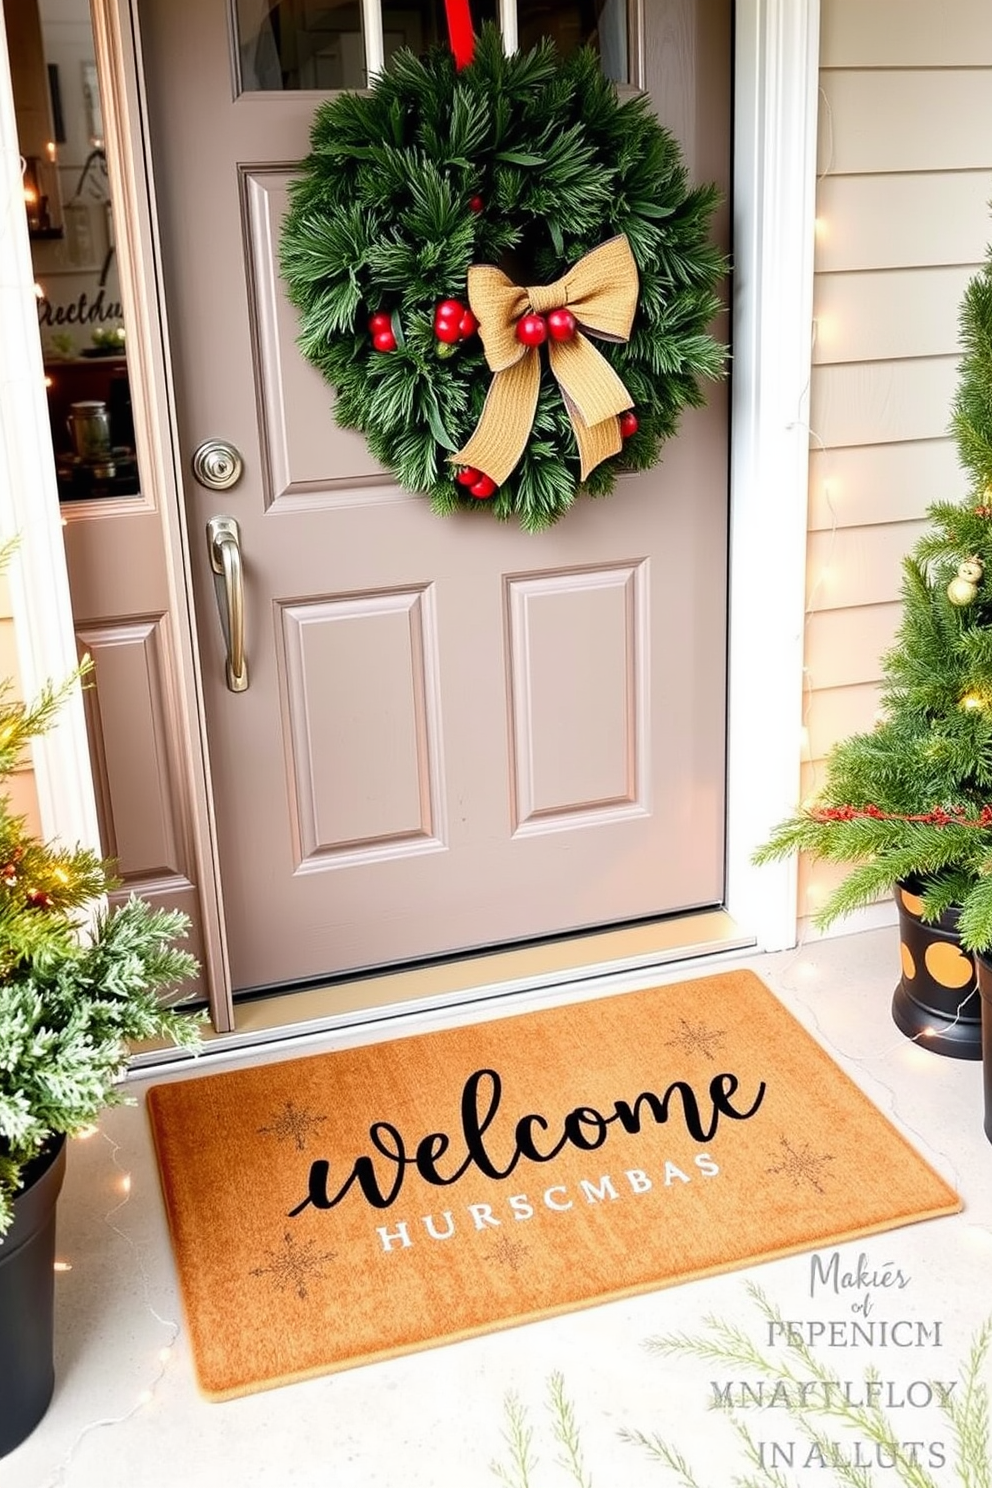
{"x": 224, "y": 546}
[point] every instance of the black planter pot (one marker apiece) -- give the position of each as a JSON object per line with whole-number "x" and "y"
{"x": 937, "y": 1000}
{"x": 983, "y": 961}
{"x": 27, "y": 1302}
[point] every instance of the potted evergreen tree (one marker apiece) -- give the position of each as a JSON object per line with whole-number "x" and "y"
{"x": 72, "y": 997}
{"x": 908, "y": 804}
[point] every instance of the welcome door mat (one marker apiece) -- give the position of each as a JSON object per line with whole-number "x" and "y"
{"x": 346, "y": 1207}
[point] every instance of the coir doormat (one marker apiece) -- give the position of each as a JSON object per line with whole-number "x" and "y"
{"x": 346, "y": 1207}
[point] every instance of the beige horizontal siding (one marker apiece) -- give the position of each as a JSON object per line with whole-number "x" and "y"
{"x": 882, "y": 402}
{"x": 906, "y": 120}
{"x": 840, "y": 711}
{"x": 903, "y": 221}
{"x": 868, "y": 484}
{"x": 854, "y": 566}
{"x": 884, "y": 313}
{"x": 844, "y": 646}
{"x": 905, "y": 33}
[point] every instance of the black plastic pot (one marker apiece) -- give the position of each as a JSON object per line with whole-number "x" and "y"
{"x": 27, "y": 1301}
{"x": 937, "y": 1000}
{"x": 983, "y": 960}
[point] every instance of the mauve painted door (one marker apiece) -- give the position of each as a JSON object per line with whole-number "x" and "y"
{"x": 455, "y": 734}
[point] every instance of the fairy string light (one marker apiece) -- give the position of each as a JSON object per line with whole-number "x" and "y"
{"x": 163, "y": 1354}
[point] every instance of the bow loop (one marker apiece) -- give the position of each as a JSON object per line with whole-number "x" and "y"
{"x": 545, "y": 297}
{"x": 601, "y": 292}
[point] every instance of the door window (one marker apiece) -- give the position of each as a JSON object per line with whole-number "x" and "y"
{"x": 311, "y": 44}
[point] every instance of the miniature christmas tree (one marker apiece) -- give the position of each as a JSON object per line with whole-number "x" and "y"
{"x": 71, "y": 997}
{"x": 912, "y": 798}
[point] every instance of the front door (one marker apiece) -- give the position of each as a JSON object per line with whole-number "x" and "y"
{"x": 454, "y": 734}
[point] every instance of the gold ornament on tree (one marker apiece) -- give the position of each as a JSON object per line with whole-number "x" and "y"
{"x": 963, "y": 588}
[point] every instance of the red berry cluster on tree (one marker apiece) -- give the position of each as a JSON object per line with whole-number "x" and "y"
{"x": 476, "y": 483}
{"x": 454, "y": 322}
{"x": 628, "y": 424}
{"x": 475, "y": 203}
{"x": 381, "y": 328}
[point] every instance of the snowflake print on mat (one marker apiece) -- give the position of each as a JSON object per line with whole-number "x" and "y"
{"x": 293, "y": 1123}
{"x": 801, "y": 1165}
{"x": 295, "y": 1266}
{"x": 697, "y": 1039}
{"x": 507, "y": 1252}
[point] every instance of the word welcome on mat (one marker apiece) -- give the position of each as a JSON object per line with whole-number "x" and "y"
{"x": 344, "y": 1207}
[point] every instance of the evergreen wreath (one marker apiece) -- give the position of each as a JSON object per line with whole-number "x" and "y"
{"x": 528, "y": 162}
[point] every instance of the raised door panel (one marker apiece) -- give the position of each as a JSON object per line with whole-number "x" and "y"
{"x": 365, "y": 776}
{"x": 294, "y": 402}
{"x": 576, "y": 647}
{"x": 134, "y": 739}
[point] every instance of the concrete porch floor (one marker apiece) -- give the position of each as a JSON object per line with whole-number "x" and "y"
{"x": 127, "y": 1410}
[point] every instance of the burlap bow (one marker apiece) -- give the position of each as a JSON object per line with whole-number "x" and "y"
{"x": 601, "y": 292}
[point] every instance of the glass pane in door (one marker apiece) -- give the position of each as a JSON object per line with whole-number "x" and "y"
{"x": 422, "y": 26}
{"x": 601, "y": 24}
{"x": 300, "y": 44}
{"x": 285, "y": 44}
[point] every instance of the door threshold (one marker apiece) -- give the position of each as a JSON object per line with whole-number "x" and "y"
{"x": 596, "y": 956}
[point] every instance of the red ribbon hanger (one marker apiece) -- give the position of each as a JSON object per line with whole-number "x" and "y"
{"x": 461, "y": 37}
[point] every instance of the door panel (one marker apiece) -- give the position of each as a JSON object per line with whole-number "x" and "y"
{"x": 340, "y": 733}
{"x": 456, "y": 734}
{"x": 576, "y": 691}
{"x": 293, "y": 400}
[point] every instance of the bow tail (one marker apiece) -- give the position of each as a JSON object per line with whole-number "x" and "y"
{"x": 594, "y": 396}
{"x": 596, "y": 442}
{"x": 500, "y": 437}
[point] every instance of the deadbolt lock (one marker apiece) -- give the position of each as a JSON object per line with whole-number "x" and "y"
{"x": 217, "y": 465}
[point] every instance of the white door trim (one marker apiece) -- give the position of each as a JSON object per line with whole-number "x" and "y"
{"x": 777, "y": 90}
{"x": 776, "y": 68}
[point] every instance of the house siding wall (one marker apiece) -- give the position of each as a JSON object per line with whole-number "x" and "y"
{"x": 903, "y": 221}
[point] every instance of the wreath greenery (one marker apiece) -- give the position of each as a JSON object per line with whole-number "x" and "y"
{"x": 527, "y": 162}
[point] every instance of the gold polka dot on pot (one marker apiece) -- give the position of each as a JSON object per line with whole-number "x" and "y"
{"x": 908, "y": 964}
{"x": 948, "y": 964}
{"x": 912, "y": 902}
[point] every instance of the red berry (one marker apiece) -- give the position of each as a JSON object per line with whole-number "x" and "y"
{"x": 384, "y": 340}
{"x": 532, "y": 330}
{"x": 475, "y": 203}
{"x": 447, "y": 330}
{"x": 628, "y": 424}
{"x": 449, "y": 310}
{"x": 483, "y": 488}
{"x": 468, "y": 476}
{"x": 561, "y": 325}
{"x": 380, "y": 321}
{"x": 468, "y": 325}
